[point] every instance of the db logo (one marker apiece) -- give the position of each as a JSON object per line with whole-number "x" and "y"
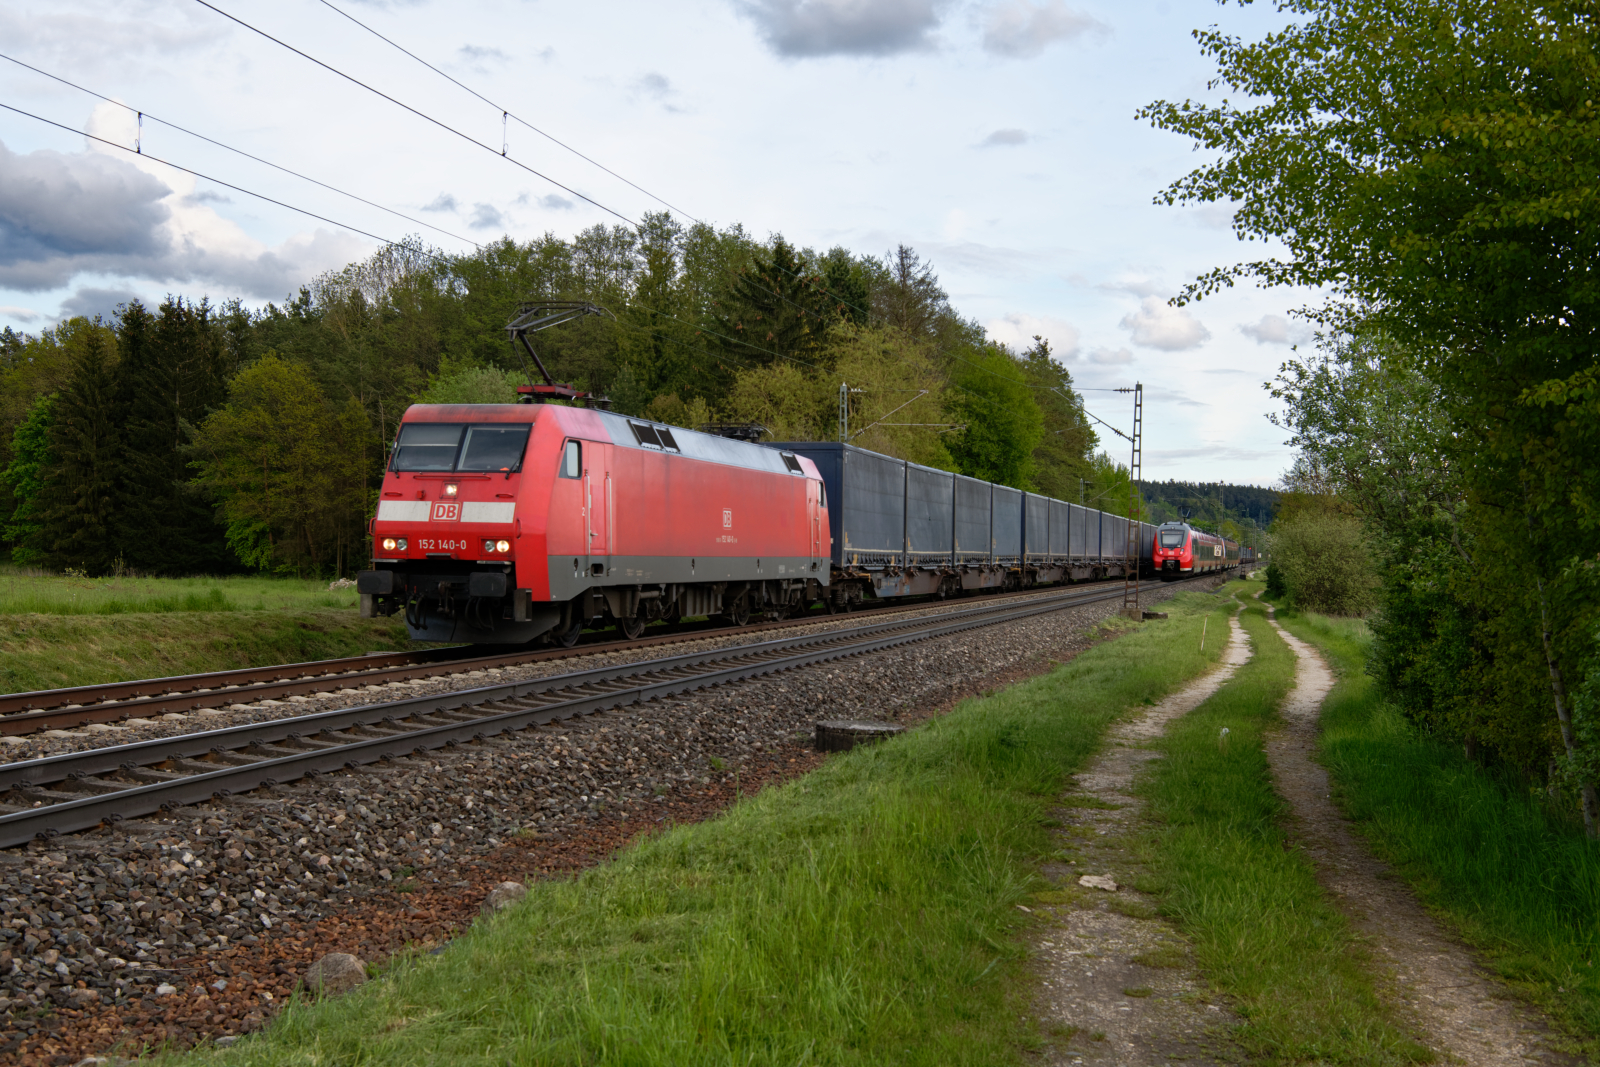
{"x": 727, "y": 518}
{"x": 446, "y": 511}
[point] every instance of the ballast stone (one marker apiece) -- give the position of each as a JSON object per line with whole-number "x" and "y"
{"x": 842, "y": 735}
{"x": 1098, "y": 881}
{"x": 337, "y": 972}
{"x": 503, "y": 896}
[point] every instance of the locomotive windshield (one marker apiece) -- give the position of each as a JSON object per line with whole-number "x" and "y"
{"x": 1171, "y": 538}
{"x": 438, "y": 446}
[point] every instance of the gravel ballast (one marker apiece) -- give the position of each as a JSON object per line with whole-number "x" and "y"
{"x": 198, "y": 927}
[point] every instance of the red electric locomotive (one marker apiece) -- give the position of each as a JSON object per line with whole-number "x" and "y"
{"x": 1181, "y": 551}
{"x": 501, "y": 523}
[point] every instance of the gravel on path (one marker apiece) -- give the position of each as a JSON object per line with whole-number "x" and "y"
{"x": 1458, "y": 1009}
{"x": 1115, "y": 981}
{"x": 198, "y": 926}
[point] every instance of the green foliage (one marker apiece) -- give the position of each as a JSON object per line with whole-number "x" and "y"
{"x": 1066, "y": 438}
{"x": 1437, "y": 179}
{"x": 1002, "y": 421}
{"x": 1325, "y": 563}
{"x": 86, "y": 481}
{"x": 289, "y": 469}
{"x": 1109, "y": 488}
{"x": 24, "y": 476}
{"x": 473, "y": 385}
{"x": 1277, "y": 586}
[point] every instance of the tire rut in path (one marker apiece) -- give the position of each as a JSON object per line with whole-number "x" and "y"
{"x": 1099, "y": 946}
{"x": 1455, "y": 1008}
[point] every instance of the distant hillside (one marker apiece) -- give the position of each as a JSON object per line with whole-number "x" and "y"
{"x": 1211, "y": 502}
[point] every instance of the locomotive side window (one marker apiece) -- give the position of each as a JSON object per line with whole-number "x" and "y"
{"x": 493, "y": 448}
{"x": 572, "y": 460}
{"x": 426, "y": 446}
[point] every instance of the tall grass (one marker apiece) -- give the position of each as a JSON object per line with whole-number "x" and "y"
{"x": 1261, "y": 927}
{"x": 30, "y": 592}
{"x": 861, "y": 915}
{"x": 1518, "y": 880}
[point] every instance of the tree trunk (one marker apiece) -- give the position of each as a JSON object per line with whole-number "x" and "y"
{"x": 1558, "y": 689}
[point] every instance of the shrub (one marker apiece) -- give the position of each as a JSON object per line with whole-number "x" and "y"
{"x": 1326, "y": 564}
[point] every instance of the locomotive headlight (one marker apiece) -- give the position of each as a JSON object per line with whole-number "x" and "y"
{"x": 502, "y": 546}
{"x": 450, "y": 490}
{"x": 390, "y": 544}
{"x": 402, "y": 544}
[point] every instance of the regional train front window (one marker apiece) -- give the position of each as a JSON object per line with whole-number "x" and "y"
{"x": 1171, "y": 538}
{"x": 437, "y": 446}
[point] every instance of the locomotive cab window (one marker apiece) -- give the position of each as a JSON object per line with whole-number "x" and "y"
{"x": 436, "y": 446}
{"x": 426, "y": 446}
{"x": 493, "y": 448}
{"x": 572, "y": 460}
{"x": 1171, "y": 538}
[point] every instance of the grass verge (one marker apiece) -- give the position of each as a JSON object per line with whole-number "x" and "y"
{"x": 54, "y": 651}
{"x": 24, "y": 592}
{"x": 861, "y": 915}
{"x": 1262, "y": 930}
{"x": 1516, "y": 881}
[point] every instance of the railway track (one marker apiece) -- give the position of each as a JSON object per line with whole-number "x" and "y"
{"x": 60, "y": 709}
{"x": 77, "y": 791}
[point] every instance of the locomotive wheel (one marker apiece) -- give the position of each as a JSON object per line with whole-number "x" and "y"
{"x": 569, "y": 637}
{"x": 631, "y": 628}
{"x": 738, "y": 613}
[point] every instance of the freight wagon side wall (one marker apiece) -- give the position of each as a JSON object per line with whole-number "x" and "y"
{"x": 973, "y": 520}
{"x": 1007, "y": 524}
{"x": 930, "y": 500}
{"x": 1036, "y": 530}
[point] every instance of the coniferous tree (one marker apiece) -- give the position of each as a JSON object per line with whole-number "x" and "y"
{"x": 75, "y": 507}
{"x": 171, "y": 375}
{"x": 774, "y": 309}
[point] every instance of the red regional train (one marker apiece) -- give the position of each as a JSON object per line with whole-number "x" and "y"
{"x": 509, "y": 523}
{"x": 1181, "y": 551}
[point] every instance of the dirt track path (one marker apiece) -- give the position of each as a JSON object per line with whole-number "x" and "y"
{"x": 1115, "y": 982}
{"x": 1455, "y": 1008}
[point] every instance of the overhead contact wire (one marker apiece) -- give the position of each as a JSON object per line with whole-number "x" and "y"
{"x": 420, "y": 114}
{"x": 218, "y": 181}
{"x": 237, "y": 151}
{"x": 506, "y": 112}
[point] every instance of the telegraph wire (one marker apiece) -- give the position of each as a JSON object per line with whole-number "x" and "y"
{"x": 218, "y": 181}
{"x": 507, "y": 113}
{"x": 420, "y": 114}
{"x": 238, "y": 151}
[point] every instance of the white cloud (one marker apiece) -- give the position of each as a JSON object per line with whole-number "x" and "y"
{"x": 1004, "y": 137}
{"x": 1017, "y": 331}
{"x": 19, "y": 314}
{"x": 101, "y": 212}
{"x": 442, "y": 202}
{"x": 485, "y": 216}
{"x": 1275, "y": 330}
{"x": 1021, "y": 29}
{"x": 1137, "y": 286}
{"x": 800, "y": 28}
{"x": 1111, "y": 356}
{"x": 1158, "y": 324}
{"x": 92, "y": 302}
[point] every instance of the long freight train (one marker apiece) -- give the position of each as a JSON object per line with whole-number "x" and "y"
{"x": 509, "y": 523}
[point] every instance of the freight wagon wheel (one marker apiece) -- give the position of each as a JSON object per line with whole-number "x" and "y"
{"x": 631, "y": 628}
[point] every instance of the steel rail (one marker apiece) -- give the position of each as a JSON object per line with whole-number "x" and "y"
{"x": 25, "y": 713}
{"x": 658, "y": 678}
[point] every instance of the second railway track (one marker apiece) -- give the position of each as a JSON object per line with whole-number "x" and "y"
{"x": 77, "y": 791}
{"x": 113, "y": 702}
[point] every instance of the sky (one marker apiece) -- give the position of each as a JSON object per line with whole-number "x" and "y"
{"x": 995, "y": 137}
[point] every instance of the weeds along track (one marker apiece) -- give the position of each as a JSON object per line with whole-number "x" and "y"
{"x": 77, "y": 791}
{"x": 113, "y": 702}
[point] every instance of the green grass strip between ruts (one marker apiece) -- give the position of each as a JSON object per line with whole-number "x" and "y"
{"x": 1262, "y": 930}
{"x": 861, "y": 915}
{"x": 1489, "y": 856}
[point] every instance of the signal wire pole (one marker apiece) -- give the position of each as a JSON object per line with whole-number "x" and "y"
{"x": 1135, "y": 543}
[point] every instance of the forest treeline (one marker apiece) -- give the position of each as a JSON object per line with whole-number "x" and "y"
{"x": 192, "y": 438}
{"x": 1438, "y": 185}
